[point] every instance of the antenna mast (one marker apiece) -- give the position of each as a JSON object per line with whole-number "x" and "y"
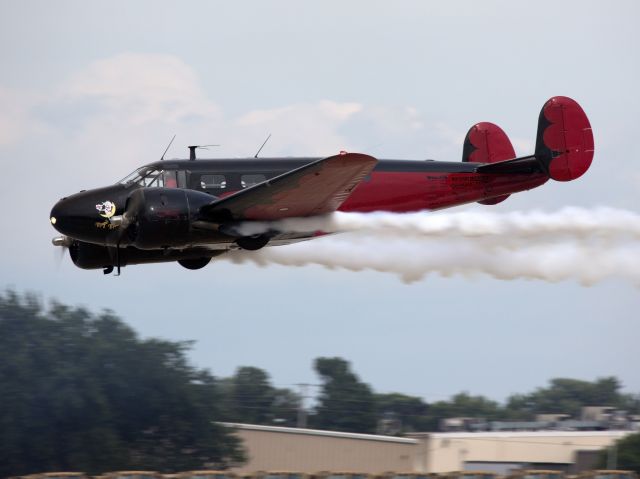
{"x": 167, "y": 148}
{"x": 260, "y": 149}
{"x": 193, "y": 148}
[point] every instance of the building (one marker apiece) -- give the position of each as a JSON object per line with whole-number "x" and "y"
{"x": 502, "y": 452}
{"x": 271, "y": 448}
{"x": 592, "y": 418}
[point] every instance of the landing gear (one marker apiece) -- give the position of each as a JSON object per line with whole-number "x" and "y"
{"x": 253, "y": 243}
{"x": 195, "y": 263}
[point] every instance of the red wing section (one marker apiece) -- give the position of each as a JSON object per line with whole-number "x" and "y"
{"x": 314, "y": 189}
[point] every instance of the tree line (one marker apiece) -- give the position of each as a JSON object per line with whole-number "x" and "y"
{"x": 83, "y": 391}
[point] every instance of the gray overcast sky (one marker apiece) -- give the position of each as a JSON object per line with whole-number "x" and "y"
{"x": 91, "y": 90}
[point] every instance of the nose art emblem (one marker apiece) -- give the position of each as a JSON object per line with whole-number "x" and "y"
{"x": 107, "y": 209}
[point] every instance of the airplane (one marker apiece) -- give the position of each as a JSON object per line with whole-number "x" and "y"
{"x": 190, "y": 211}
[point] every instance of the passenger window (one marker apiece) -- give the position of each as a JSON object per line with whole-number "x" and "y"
{"x": 170, "y": 180}
{"x": 182, "y": 179}
{"x": 218, "y": 182}
{"x": 250, "y": 180}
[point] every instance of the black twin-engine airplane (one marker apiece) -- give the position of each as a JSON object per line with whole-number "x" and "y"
{"x": 190, "y": 211}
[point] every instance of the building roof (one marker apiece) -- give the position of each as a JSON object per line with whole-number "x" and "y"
{"x": 318, "y": 432}
{"x": 516, "y": 434}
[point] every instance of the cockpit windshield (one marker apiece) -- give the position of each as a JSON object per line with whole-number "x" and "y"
{"x": 148, "y": 176}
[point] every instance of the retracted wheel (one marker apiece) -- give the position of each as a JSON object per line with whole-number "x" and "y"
{"x": 194, "y": 263}
{"x": 253, "y": 243}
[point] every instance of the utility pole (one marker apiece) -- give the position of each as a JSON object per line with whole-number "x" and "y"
{"x": 302, "y": 412}
{"x": 612, "y": 456}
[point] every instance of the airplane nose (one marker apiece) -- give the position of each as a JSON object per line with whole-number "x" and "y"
{"x": 79, "y": 216}
{"x": 62, "y": 215}
{"x": 57, "y": 216}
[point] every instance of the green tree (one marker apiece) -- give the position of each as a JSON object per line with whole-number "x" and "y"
{"x": 410, "y": 412}
{"x": 285, "y": 407}
{"x": 568, "y": 396}
{"x": 84, "y": 392}
{"x": 249, "y": 397}
{"x": 252, "y": 395}
{"x": 628, "y": 454}
{"x": 463, "y": 405}
{"x": 345, "y": 403}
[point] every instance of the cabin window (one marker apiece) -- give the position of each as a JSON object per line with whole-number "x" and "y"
{"x": 144, "y": 176}
{"x": 153, "y": 178}
{"x": 170, "y": 179}
{"x": 149, "y": 177}
{"x": 182, "y": 179}
{"x": 247, "y": 181}
{"x": 218, "y": 182}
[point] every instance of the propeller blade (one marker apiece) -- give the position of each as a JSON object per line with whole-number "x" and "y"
{"x": 63, "y": 242}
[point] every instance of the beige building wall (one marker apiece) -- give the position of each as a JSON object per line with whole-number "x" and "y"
{"x": 272, "y": 448}
{"x": 443, "y": 452}
{"x": 307, "y": 450}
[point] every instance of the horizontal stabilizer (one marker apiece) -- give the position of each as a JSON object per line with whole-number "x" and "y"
{"x": 523, "y": 165}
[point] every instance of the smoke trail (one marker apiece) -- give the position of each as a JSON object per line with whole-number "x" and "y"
{"x": 572, "y": 243}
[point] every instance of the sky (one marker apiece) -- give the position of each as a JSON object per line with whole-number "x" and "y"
{"x": 89, "y": 91}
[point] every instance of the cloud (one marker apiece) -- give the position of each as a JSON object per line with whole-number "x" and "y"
{"x": 142, "y": 88}
{"x": 134, "y": 98}
{"x": 300, "y": 129}
{"x": 120, "y": 112}
{"x": 16, "y": 114}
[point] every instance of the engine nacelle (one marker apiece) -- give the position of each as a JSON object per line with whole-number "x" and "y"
{"x": 93, "y": 256}
{"x": 162, "y": 217}
{"x": 89, "y": 255}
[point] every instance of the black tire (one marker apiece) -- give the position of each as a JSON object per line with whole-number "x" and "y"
{"x": 253, "y": 243}
{"x": 194, "y": 263}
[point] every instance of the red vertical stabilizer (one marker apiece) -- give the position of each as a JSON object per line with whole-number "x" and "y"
{"x": 487, "y": 143}
{"x": 565, "y": 141}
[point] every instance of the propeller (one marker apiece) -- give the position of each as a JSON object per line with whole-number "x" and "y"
{"x": 64, "y": 243}
{"x": 128, "y": 223}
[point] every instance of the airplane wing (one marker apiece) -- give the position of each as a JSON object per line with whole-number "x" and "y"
{"x": 314, "y": 189}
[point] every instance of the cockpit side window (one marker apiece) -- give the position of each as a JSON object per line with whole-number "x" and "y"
{"x": 152, "y": 177}
{"x": 170, "y": 179}
{"x": 134, "y": 177}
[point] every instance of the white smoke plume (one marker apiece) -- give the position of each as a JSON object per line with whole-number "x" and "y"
{"x": 572, "y": 243}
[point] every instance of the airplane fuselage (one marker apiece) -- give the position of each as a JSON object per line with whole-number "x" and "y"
{"x": 393, "y": 186}
{"x": 192, "y": 210}
{"x": 398, "y": 186}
